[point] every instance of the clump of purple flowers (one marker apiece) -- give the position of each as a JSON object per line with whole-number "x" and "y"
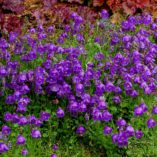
{"x": 129, "y": 71}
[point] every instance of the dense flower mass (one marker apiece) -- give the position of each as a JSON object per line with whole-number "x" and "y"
{"x": 33, "y": 65}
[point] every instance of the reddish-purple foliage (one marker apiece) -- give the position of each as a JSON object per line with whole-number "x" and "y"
{"x": 60, "y": 13}
{"x": 15, "y": 6}
{"x": 48, "y": 4}
{"x": 10, "y": 23}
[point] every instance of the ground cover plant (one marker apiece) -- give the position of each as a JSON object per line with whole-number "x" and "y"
{"x": 83, "y": 90}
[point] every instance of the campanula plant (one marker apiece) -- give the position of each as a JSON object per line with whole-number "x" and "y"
{"x": 74, "y": 83}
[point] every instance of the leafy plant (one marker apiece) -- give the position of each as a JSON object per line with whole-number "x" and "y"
{"x": 15, "y": 6}
{"x": 130, "y": 6}
{"x": 10, "y": 23}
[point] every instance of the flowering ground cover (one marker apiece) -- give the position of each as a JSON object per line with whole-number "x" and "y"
{"x": 83, "y": 90}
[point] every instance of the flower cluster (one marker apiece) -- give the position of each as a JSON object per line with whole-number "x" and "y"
{"x": 130, "y": 70}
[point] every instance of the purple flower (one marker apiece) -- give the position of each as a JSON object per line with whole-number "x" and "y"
{"x": 138, "y": 134}
{"x": 128, "y": 86}
{"x": 32, "y": 119}
{"x": 73, "y": 15}
{"x": 30, "y": 75}
{"x": 121, "y": 122}
{"x": 114, "y": 138}
{"x": 80, "y": 38}
{"x": 55, "y": 147}
{"x": 41, "y": 36}
{"x": 24, "y": 152}
{"x": 153, "y": 26}
{"x": 36, "y": 133}
{"x": 97, "y": 115}
{"x": 107, "y": 130}
{"x": 67, "y": 28}
{"x": 53, "y": 155}
{"x": 152, "y": 86}
{"x": 147, "y": 19}
{"x": 60, "y": 112}
{"x": 144, "y": 107}
{"x": 97, "y": 39}
{"x": 60, "y": 40}
{"x": 3, "y": 148}
{"x": 24, "y": 101}
{"x": 104, "y": 14}
{"x": 78, "y": 19}
{"x": 122, "y": 139}
{"x": 47, "y": 64}
{"x": 80, "y": 130}
{"x": 12, "y": 37}
{"x": 8, "y": 116}
{"x": 3, "y": 43}
{"x": 50, "y": 29}
{"x": 99, "y": 56}
{"x": 130, "y": 131}
{"x": 22, "y": 77}
{"x": 76, "y": 79}
{"x": 138, "y": 111}
{"x": 15, "y": 118}
{"x": 135, "y": 56}
{"x": 116, "y": 99}
{"x": 109, "y": 87}
{"x": 73, "y": 107}
{"x": 24, "y": 90}
{"x": 40, "y": 28}
{"x": 44, "y": 116}
{"x": 79, "y": 88}
{"x": 82, "y": 107}
{"x": 86, "y": 98}
{"x": 106, "y": 116}
{"x": 10, "y": 100}
{"x": 21, "y": 109}
{"x": 126, "y": 39}
{"x": 20, "y": 140}
{"x": 134, "y": 93}
{"x": 154, "y": 110}
{"x": 117, "y": 90}
{"x": 100, "y": 88}
{"x": 6, "y": 130}
{"x": 102, "y": 105}
{"x": 151, "y": 123}
{"x": 16, "y": 95}
{"x": 147, "y": 90}
{"x": 32, "y": 30}
{"x": 23, "y": 121}
{"x": 115, "y": 40}
{"x": 126, "y": 25}
{"x": 97, "y": 75}
{"x": 38, "y": 123}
